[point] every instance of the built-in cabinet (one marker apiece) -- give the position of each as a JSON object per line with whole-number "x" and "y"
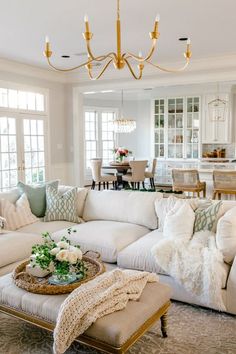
{"x": 176, "y": 127}
{"x": 217, "y": 128}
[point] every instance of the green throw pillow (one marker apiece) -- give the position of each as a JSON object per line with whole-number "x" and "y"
{"x": 61, "y": 206}
{"x": 205, "y": 219}
{"x": 36, "y": 196}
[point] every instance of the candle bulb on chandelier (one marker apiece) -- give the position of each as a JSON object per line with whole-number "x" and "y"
{"x": 140, "y": 54}
{"x": 46, "y": 39}
{"x": 157, "y": 19}
{"x": 86, "y": 23}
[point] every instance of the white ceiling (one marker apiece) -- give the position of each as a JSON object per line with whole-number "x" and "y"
{"x": 24, "y": 24}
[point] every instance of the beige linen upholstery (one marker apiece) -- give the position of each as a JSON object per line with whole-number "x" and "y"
{"x": 133, "y": 207}
{"x": 96, "y": 168}
{"x": 151, "y": 174}
{"x": 114, "y": 329}
{"x": 41, "y": 226}
{"x": 106, "y": 237}
{"x": 16, "y": 246}
{"x": 137, "y": 172}
{"x": 138, "y": 255}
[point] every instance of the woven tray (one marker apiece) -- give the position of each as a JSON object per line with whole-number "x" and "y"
{"x": 41, "y": 286}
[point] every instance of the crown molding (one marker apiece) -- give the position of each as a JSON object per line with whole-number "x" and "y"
{"x": 31, "y": 71}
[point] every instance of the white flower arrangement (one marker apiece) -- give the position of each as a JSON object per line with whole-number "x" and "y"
{"x": 61, "y": 258}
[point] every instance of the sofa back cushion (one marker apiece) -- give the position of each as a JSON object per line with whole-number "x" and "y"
{"x": 226, "y": 235}
{"x": 132, "y": 207}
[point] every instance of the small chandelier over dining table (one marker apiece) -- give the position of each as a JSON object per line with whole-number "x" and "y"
{"x": 119, "y": 59}
{"x": 122, "y": 124}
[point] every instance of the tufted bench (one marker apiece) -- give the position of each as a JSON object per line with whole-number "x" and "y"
{"x": 114, "y": 333}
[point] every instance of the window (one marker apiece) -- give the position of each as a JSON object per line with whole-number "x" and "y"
{"x": 22, "y": 138}
{"x": 99, "y": 134}
{"x": 29, "y": 101}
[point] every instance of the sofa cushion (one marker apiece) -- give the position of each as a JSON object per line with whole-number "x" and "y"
{"x": 36, "y": 195}
{"x": 81, "y": 196}
{"x": 16, "y": 246}
{"x": 179, "y": 222}
{"x": 138, "y": 255}
{"x": 40, "y": 226}
{"x": 164, "y": 205}
{"x": 61, "y": 206}
{"x": 106, "y": 237}
{"x": 132, "y": 207}
{"x": 226, "y": 235}
{"x": 206, "y": 218}
{"x": 17, "y": 215}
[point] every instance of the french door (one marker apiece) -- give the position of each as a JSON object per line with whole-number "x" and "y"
{"x": 22, "y": 149}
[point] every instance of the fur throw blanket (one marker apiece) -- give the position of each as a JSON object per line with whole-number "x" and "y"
{"x": 105, "y": 294}
{"x": 196, "y": 264}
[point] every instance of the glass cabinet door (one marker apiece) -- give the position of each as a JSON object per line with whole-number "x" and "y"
{"x": 192, "y": 129}
{"x": 159, "y": 128}
{"x": 175, "y": 128}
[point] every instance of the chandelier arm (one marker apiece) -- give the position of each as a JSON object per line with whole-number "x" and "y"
{"x": 170, "y": 70}
{"x": 101, "y": 57}
{"x": 132, "y": 72}
{"x": 101, "y": 73}
{"x": 78, "y": 66}
{"x": 141, "y": 59}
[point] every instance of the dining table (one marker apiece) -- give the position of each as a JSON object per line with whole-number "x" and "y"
{"x": 121, "y": 167}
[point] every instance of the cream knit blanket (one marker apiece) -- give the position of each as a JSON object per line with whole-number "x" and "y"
{"x": 105, "y": 294}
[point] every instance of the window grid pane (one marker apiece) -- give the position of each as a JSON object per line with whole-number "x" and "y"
{"x": 31, "y": 101}
{"x": 8, "y": 153}
{"x": 34, "y": 152}
{"x": 90, "y": 136}
{"x": 108, "y": 137}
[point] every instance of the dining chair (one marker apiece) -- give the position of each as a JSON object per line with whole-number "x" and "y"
{"x": 224, "y": 182}
{"x": 186, "y": 180}
{"x": 151, "y": 174}
{"x": 137, "y": 174}
{"x": 99, "y": 178}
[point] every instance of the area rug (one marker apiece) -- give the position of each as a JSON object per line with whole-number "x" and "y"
{"x": 192, "y": 330}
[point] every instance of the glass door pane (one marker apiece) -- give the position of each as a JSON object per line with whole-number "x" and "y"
{"x": 175, "y": 127}
{"x": 192, "y": 132}
{"x": 90, "y": 137}
{"x": 159, "y": 111}
{"x": 34, "y": 150}
{"x": 8, "y": 153}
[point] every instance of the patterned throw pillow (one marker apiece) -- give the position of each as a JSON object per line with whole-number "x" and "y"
{"x": 17, "y": 215}
{"x": 61, "y": 206}
{"x": 206, "y": 219}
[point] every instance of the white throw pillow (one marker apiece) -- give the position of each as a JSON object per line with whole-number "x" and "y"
{"x": 179, "y": 222}
{"x": 226, "y": 235}
{"x": 164, "y": 205}
{"x": 17, "y": 215}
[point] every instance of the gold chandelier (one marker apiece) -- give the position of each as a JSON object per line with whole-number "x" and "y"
{"x": 119, "y": 59}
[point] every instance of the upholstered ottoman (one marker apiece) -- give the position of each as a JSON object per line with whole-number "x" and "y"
{"x": 114, "y": 333}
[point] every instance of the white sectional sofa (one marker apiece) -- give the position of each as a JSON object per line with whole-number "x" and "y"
{"x": 121, "y": 226}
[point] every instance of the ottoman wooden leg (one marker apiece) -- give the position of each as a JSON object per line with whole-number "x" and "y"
{"x": 164, "y": 325}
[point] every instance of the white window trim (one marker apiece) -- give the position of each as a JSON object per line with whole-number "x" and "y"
{"x": 99, "y": 110}
{"x": 22, "y": 113}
